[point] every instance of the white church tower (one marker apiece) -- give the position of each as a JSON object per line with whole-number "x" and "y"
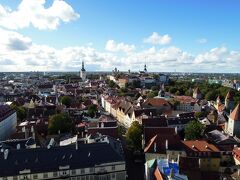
{"x": 234, "y": 122}
{"x": 83, "y": 73}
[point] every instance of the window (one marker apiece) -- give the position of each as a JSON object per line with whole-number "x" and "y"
{"x": 73, "y": 172}
{"x": 55, "y": 174}
{"x": 35, "y": 176}
{"x": 82, "y": 171}
{"x": 91, "y": 170}
{"x": 5, "y": 178}
{"x": 45, "y": 175}
{"x": 113, "y": 175}
{"x": 15, "y": 178}
{"x": 113, "y": 168}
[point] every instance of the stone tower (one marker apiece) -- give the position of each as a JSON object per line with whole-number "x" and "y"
{"x": 83, "y": 73}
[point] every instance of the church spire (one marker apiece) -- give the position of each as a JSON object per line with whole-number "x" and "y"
{"x": 83, "y": 69}
{"x": 145, "y": 67}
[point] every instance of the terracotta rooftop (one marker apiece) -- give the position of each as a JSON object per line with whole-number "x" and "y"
{"x": 229, "y": 96}
{"x": 235, "y": 115}
{"x": 202, "y": 146}
{"x": 185, "y": 99}
{"x": 156, "y": 102}
{"x": 197, "y": 90}
{"x": 174, "y": 143}
{"x": 236, "y": 152}
{"x": 158, "y": 175}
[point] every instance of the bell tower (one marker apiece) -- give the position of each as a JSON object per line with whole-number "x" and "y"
{"x": 83, "y": 73}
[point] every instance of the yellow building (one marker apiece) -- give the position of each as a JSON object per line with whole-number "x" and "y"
{"x": 208, "y": 154}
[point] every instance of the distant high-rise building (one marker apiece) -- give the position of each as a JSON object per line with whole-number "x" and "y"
{"x": 83, "y": 73}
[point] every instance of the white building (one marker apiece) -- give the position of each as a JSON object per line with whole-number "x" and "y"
{"x": 8, "y": 121}
{"x": 233, "y": 127}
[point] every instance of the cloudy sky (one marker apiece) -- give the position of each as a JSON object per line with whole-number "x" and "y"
{"x": 56, "y": 35}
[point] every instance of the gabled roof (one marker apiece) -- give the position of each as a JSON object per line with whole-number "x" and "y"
{"x": 200, "y": 146}
{"x": 197, "y": 91}
{"x": 155, "y": 102}
{"x": 159, "y": 141}
{"x": 150, "y": 132}
{"x": 235, "y": 115}
{"x": 229, "y": 96}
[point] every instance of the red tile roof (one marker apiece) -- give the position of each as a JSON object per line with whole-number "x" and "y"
{"x": 202, "y": 146}
{"x": 236, "y": 153}
{"x": 158, "y": 175}
{"x": 150, "y": 132}
{"x": 159, "y": 141}
{"x": 156, "y": 102}
{"x": 235, "y": 115}
{"x": 229, "y": 96}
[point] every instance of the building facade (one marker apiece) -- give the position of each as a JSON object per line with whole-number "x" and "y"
{"x": 8, "y": 121}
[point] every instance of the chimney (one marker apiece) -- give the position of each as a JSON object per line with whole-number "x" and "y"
{"x": 26, "y": 133}
{"x": 6, "y": 152}
{"x": 167, "y": 157}
{"x": 176, "y": 130}
{"x": 178, "y": 158}
{"x": 166, "y": 144}
{"x": 76, "y": 144}
{"x": 155, "y": 147}
{"x": 172, "y": 174}
{"x": 18, "y": 146}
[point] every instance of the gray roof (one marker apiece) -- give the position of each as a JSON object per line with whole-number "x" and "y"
{"x": 47, "y": 160}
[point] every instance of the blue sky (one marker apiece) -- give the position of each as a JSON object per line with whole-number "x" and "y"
{"x": 203, "y": 33}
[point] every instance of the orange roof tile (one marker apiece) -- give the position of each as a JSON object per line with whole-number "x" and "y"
{"x": 229, "y": 96}
{"x": 158, "y": 175}
{"x": 155, "y": 102}
{"x": 202, "y": 146}
{"x": 235, "y": 115}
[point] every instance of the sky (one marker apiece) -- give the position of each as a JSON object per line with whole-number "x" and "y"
{"x": 167, "y": 35}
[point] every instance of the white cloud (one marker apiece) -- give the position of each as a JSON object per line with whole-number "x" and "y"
{"x": 33, "y": 12}
{"x": 155, "y": 39}
{"x": 112, "y": 46}
{"x": 202, "y": 41}
{"x": 20, "y": 53}
{"x": 11, "y": 40}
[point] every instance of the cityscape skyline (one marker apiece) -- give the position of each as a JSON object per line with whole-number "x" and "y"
{"x": 58, "y": 35}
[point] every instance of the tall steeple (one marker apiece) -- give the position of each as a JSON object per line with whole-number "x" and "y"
{"x": 145, "y": 67}
{"x": 83, "y": 69}
{"x": 83, "y": 73}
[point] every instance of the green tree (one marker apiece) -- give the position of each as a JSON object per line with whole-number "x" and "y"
{"x": 21, "y": 111}
{"x": 60, "y": 122}
{"x": 152, "y": 94}
{"x": 198, "y": 115}
{"x": 112, "y": 84}
{"x": 134, "y": 136}
{"x": 211, "y": 95}
{"x": 194, "y": 130}
{"x": 66, "y": 100}
{"x": 92, "y": 110}
{"x": 172, "y": 90}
